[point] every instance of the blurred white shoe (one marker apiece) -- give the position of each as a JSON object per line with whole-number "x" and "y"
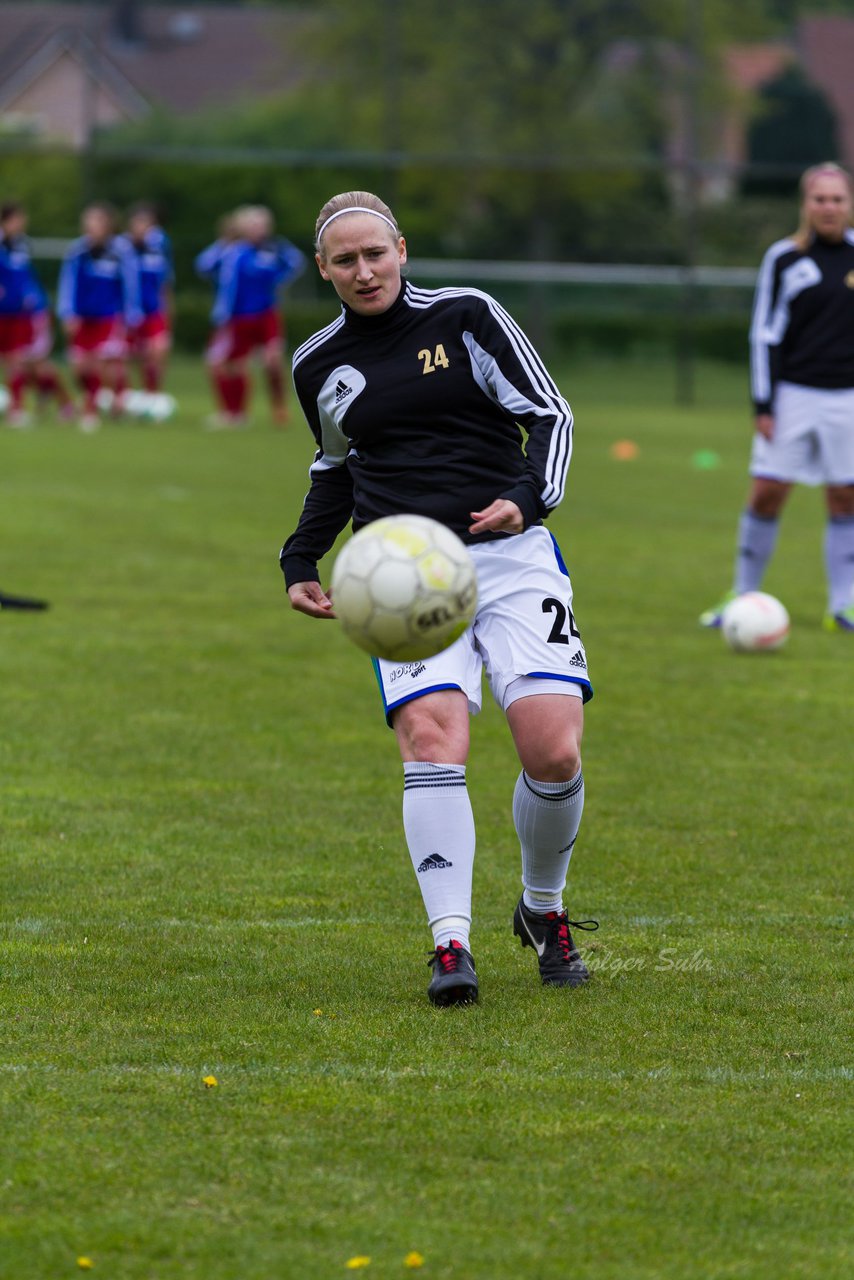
{"x": 225, "y": 422}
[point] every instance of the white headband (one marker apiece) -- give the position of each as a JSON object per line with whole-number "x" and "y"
{"x": 355, "y": 208}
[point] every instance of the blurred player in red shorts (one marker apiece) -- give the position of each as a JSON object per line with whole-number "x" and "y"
{"x": 42, "y": 372}
{"x": 248, "y": 271}
{"x": 98, "y": 302}
{"x": 30, "y": 362}
{"x": 16, "y": 326}
{"x": 151, "y": 340}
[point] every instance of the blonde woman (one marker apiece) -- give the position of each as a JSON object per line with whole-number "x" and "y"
{"x": 802, "y": 380}
{"x": 417, "y": 399}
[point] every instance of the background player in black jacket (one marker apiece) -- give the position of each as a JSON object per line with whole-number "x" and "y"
{"x": 802, "y": 376}
{"x": 416, "y": 398}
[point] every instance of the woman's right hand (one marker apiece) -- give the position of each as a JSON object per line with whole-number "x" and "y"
{"x": 310, "y": 598}
{"x": 765, "y": 425}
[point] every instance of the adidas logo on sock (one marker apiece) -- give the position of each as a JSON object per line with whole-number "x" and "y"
{"x": 578, "y": 659}
{"x": 342, "y": 391}
{"x": 433, "y": 863}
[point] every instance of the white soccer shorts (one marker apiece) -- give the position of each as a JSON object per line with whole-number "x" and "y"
{"x": 813, "y": 440}
{"x": 524, "y": 634}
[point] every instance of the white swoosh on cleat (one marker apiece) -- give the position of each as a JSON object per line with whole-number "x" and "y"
{"x": 539, "y": 947}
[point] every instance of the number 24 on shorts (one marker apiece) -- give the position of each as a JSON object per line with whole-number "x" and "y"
{"x": 562, "y": 615}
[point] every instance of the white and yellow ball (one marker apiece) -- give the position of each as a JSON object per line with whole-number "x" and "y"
{"x": 404, "y": 588}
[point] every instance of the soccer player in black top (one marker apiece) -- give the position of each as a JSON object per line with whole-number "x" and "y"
{"x": 802, "y": 375}
{"x": 416, "y": 398}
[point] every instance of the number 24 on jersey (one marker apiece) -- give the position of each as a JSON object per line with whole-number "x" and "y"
{"x": 435, "y": 360}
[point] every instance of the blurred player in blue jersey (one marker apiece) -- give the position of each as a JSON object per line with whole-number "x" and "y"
{"x": 16, "y": 306}
{"x": 151, "y": 340}
{"x": 248, "y": 272}
{"x": 98, "y": 303}
{"x": 26, "y": 337}
{"x": 802, "y": 378}
{"x": 36, "y": 367}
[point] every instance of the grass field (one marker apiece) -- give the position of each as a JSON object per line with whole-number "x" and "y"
{"x": 204, "y": 875}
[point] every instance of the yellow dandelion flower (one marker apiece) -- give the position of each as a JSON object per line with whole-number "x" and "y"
{"x": 85, "y": 1264}
{"x": 318, "y": 1013}
{"x": 361, "y": 1260}
{"x": 413, "y": 1259}
{"x": 210, "y": 1082}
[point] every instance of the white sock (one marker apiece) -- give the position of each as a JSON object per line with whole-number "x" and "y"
{"x": 839, "y": 557}
{"x": 547, "y": 817}
{"x": 439, "y": 827}
{"x": 757, "y": 537}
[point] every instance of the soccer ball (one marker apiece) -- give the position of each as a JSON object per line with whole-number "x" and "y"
{"x": 404, "y": 588}
{"x": 159, "y": 406}
{"x": 754, "y": 622}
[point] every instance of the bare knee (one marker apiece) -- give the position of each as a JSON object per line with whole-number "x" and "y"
{"x": 553, "y": 762}
{"x": 547, "y": 731}
{"x": 767, "y": 498}
{"x": 434, "y": 728}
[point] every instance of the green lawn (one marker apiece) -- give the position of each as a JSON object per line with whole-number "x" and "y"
{"x": 203, "y": 873}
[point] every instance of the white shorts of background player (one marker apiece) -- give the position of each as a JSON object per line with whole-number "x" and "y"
{"x": 813, "y": 440}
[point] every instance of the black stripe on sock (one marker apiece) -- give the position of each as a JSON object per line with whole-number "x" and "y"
{"x": 418, "y": 785}
{"x": 572, "y": 789}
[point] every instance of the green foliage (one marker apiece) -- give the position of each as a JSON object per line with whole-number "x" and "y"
{"x": 204, "y": 873}
{"x": 525, "y": 137}
{"x": 796, "y": 125}
{"x": 49, "y": 184}
{"x": 633, "y": 331}
{"x": 493, "y": 131}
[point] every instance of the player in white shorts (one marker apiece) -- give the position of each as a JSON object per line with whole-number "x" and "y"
{"x": 802, "y": 375}
{"x": 416, "y": 399}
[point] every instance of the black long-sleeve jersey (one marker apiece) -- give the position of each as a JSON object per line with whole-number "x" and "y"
{"x": 419, "y": 410}
{"x": 802, "y": 329}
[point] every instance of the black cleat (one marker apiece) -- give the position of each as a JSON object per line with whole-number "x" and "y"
{"x": 454, "y": 980}
{"x": 20, "y": 602}
{"x": 557, "y": 955}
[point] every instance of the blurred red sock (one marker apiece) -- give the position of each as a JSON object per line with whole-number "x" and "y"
{"x": 16, "y": 383}
{"x": 90, "y": 384}
{"x": 220, "y": 381}
{"x": 240, "y": 393}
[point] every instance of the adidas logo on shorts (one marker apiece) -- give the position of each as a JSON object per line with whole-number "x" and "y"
{"x": 578, "y": 659}
{"x": 434, "y": 863}
{"x": 342, "y": 391}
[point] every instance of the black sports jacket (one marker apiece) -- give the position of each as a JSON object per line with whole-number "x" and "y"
{"x": 803, "y": 318}
{"x": 419, "y": 409}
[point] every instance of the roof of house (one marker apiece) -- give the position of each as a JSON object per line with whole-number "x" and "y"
{"x": 187, "y": 59}
{"x": 749, "y": 66}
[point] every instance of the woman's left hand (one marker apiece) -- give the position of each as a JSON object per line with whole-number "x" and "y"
{"x": 501, "y": 516}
